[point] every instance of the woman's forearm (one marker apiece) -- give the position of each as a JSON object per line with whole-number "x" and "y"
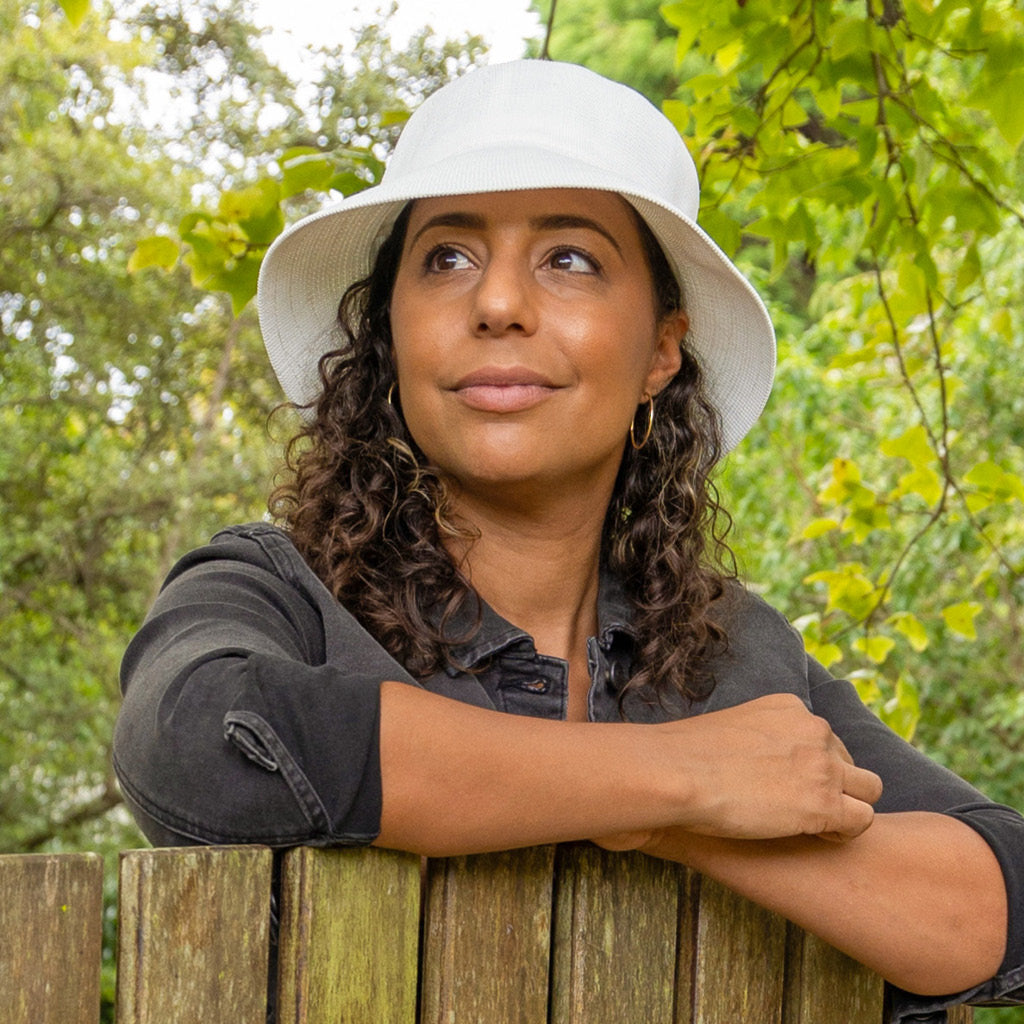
{"x": 918, "y": 897}
{"x": 460, "y": 779}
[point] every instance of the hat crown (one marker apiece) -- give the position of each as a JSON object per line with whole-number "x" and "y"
{"x": 615, "y": 136}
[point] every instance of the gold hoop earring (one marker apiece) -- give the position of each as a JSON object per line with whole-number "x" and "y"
{"x": 391, "y": 391}
{"x": 647, "y": 431}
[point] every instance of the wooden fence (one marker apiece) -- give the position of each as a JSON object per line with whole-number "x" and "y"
{"x": 566, "y": 935}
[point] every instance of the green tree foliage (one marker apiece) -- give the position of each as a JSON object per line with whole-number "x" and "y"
{"x": 336, "y": 147}
{"x": 863, "y": 164}
{"x": 626, "y": 40}
{"x": 134, "y": 406}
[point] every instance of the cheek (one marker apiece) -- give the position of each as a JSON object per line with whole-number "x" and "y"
{"x": 629, "y": 359}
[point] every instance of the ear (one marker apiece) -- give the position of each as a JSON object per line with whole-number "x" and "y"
{"x": 667, "y": 357}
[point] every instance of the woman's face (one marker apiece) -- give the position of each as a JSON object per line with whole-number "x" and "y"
{"x": 525, "y": 336}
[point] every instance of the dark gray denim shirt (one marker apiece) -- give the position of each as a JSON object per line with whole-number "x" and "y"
{"x": 252, "y": 698}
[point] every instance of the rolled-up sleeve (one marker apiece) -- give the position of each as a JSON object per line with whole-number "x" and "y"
{"x": 915, "y": 782}
{"x": 251, "y": 704}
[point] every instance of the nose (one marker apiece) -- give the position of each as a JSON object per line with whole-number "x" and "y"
{"x": 503, "y": 300}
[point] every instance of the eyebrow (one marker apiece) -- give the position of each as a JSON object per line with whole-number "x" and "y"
{"x": 551, "y": 222}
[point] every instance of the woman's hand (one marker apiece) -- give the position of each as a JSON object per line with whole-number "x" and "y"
{"x": 764, "y": 770}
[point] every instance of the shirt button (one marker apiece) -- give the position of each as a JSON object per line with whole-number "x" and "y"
{"x": 619, "y": 675}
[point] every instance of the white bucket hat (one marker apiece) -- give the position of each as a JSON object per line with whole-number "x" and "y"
{"x": 527, "y": 124}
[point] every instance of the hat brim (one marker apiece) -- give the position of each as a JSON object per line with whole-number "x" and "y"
{"x": 309, "y": 267}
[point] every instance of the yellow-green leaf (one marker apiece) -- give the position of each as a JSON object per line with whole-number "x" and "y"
{"x": 75, "y": 10}
{"x": 388, "y": 118}
{"x": 827, "y": 654}
{"x": 866, "y": 684}
{"x": 875, "y": 648}
{"x": 847, "y": 35}
{"x": 995, "y": 483}
{"x": 911, "y": 445}
{"x": 910, "y": 626}
{"x": 1003, "y": 101}
{"x": 849, "y": 590}
{"x": 818, "y": 528}
{"x": 155, "y": 251}
{"x": 865, "y": 519}
{"x": 923, "y": 481}
{"x": 903, "y": 710}
{"x": 1002, "y": 323}
{"x": 722, "y": 228}
{"x": 960, "y": 618}
{"x": 727, "y": 57}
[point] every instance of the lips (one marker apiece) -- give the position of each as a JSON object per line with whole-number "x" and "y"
{"x": 503, "y": 389}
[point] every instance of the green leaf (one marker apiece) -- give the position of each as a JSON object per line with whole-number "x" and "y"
{"x": 75, "y": 10}
{"x": 818, "y": 528}
{"x": 827, "y": 654}
{"x": 155, "y": 251}
{"x": 960, "y": 618}
{"x": 389, "y": 118}
{"x": 910, "y": 626}
{"x": 348, "y": 183}
{"x": 875, "y": 648}
{"x": 829, "y": 102}
{"x": 305, "y": 171}
{"x": 722, "y": 228}
{"x": 911, "y": 296}
{"x": 255, "y": 209}
{"x": 911, "y": 445}
{"x": 1002, "y": 99}
{"x": 902, "y": 711}
{"x": 686, "y": 19}
{"x": 862, "y": 522}
{"x": 849, "y": 590}
{"x": 847, "y": 36}
{"x": 240, "y": 283}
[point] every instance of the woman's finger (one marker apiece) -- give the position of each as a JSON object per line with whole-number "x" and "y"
{"x": 861, "y": 784}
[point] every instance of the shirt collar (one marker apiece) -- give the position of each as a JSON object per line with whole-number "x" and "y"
{"x": 496, "y": 634}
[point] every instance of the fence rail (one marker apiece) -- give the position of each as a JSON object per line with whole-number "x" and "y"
{"x": 562, "y": 935}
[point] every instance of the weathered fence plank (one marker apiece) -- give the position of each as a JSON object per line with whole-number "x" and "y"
{"x": 487, "y": 938}
{"x": 51, "y": 926}
{"x": 740, "y": 960}
{"x": 823, "y": 986}
{"x": 349, "y": 940}
{"x": 616, "y": 938}
{"x": 193, "y": 940}
{"x": 566, "y": 935}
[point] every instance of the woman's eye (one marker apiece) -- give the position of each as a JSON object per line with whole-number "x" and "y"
{"x": 445, "y": 258}
{"x": 573, "y": 261}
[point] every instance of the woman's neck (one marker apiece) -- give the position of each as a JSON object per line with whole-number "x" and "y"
{"x": 538, "y": 568}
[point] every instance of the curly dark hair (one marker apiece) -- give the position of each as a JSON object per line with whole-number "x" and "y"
{"x": 370, "y": 515}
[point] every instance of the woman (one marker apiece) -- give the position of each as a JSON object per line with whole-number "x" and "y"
{"x": 501, "y": 503}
